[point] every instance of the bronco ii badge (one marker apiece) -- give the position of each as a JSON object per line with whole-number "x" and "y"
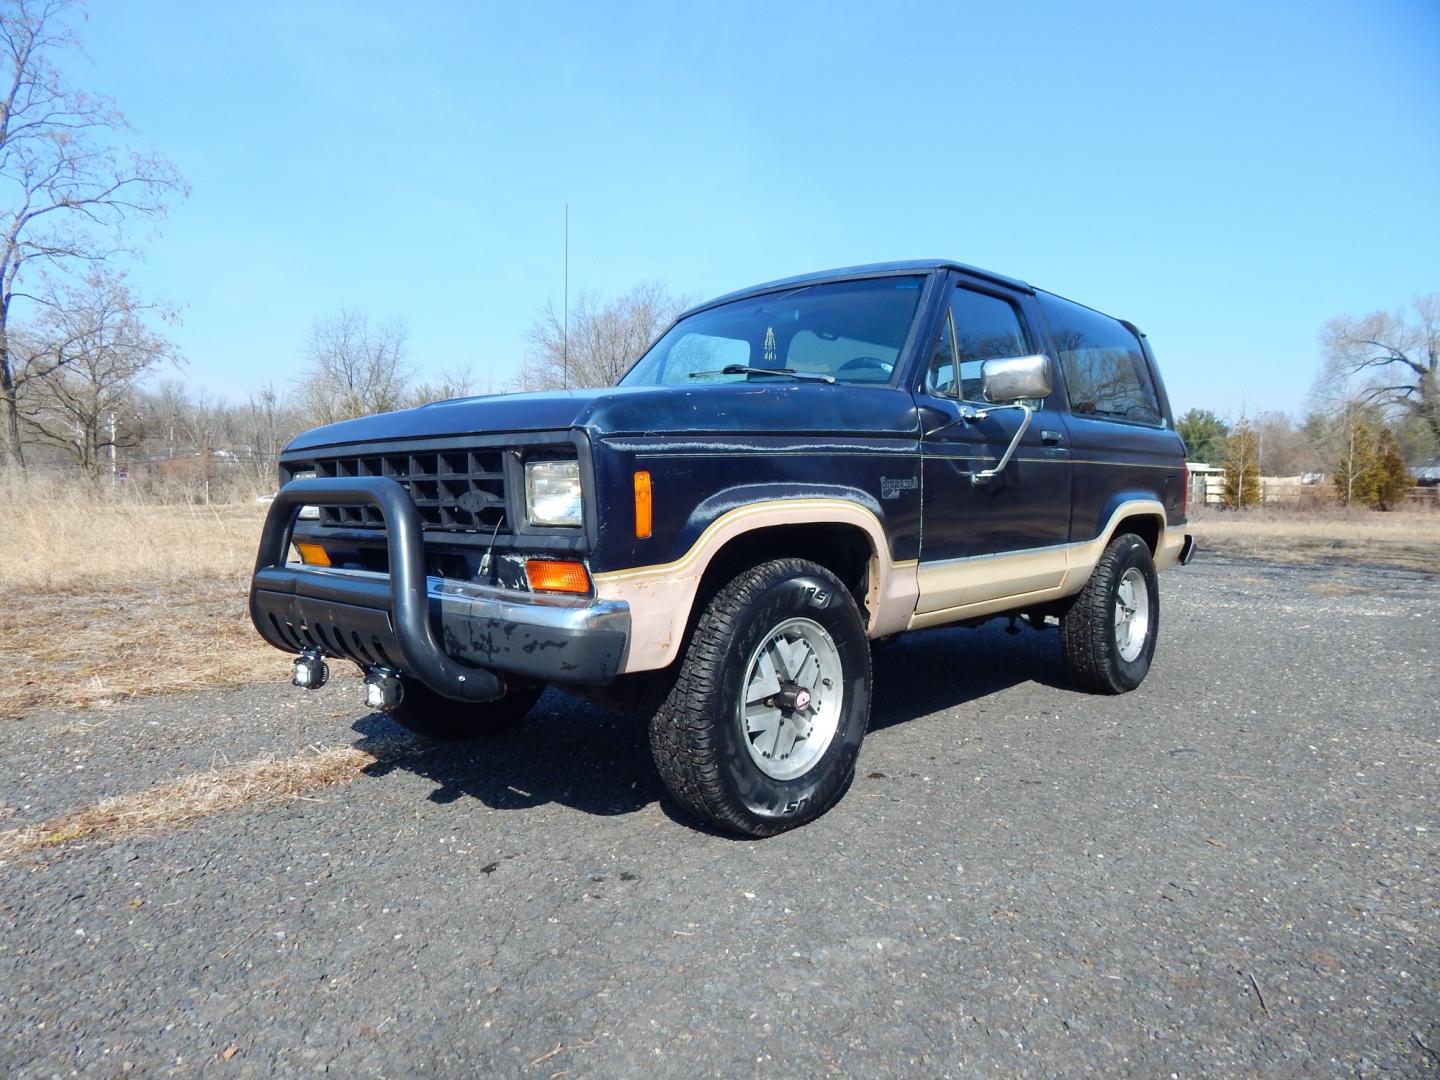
{"x": 892, "y": 486}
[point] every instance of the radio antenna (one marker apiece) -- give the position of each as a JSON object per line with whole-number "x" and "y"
{"x": 565, "y": 330}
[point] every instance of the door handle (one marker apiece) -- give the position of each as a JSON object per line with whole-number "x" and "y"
{"x": 1051, "y": 438}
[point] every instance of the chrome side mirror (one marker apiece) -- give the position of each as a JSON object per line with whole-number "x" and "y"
{"x": 1016, "y": 378}
{"x": 1010, "y": 382}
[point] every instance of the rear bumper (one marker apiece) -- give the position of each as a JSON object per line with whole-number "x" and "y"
{"x": 1187, "y": 550}
{"x": 456, "y": 637}
{"x": 1176, "y": 548}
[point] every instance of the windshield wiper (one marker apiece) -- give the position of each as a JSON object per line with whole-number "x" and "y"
{"x": 742, "y": 369}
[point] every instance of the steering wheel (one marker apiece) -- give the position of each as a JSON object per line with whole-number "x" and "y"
{"x": 866, "y": 363}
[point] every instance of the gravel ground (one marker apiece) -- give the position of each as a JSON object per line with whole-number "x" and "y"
{"x": 1233, "y": 870}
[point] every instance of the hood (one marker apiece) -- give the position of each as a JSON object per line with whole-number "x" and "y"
{"x": 734, "y": 408}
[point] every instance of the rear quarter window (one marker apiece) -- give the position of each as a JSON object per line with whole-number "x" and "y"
{"x": 1106, "y": 374}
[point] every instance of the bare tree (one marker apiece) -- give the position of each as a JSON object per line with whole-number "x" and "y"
{"x": 68, "y": 191}
{"x": 190, "y": 440}
{"x": 604, "y": 339}
{"x": 200, "y": 420}
{"x": 1284, "y": 449}
{"x": 355, "y": 367}
{"x": 85, "y": 355}
{"x": 456, "y": 382}
{"x": 1395, "y": 358}
{"x": 265, "y": 428}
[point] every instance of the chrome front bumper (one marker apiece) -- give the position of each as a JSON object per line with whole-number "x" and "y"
{"x": 539, "y": 636}
{"x": 456, "y": 637}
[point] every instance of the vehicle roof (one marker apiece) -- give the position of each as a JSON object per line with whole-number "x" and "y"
{"x": 913, "y": 266}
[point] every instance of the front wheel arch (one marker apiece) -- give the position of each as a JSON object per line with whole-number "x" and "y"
{"x": 846, "y": 550}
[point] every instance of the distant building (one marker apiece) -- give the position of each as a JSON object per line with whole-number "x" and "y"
{"x": 1207, "y": 484}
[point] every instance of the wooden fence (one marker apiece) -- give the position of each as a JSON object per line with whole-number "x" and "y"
{"x": 1207, "y": 489}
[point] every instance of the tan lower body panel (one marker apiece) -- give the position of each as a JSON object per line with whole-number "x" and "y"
{"x": 957, "y": 583}
{"x": 903, "y": 595}
{"x": 957, "y": 589}
{"x": 660, "y": 597}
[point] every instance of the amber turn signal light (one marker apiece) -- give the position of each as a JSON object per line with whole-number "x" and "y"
{"x": 546, "y": 575}
{"x": 642, "y": 504}
{"x": 313, "y": 554}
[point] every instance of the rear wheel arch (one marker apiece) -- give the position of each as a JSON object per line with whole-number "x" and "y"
{"x": 1148, "y": 526}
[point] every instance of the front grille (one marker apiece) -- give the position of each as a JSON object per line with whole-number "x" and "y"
{"x": 455, "y": 490}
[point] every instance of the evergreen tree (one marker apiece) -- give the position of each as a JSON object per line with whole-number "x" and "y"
{"x": 1204, "y": 434}
{"x": 1355, "y": 462}
{"x": 1390, "y": 478}
{"x": 1242, "y": 468}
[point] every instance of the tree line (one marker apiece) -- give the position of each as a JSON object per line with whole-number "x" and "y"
{"x": 88, "y": 376}
{"x": 119, "y": 407}
{"x": 1375, "y": 410}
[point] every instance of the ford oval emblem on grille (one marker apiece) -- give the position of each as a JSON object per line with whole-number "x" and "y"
{"x": 476, "y": 501}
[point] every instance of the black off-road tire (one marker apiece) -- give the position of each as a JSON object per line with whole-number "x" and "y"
{"x": 696, "y": 735}
{"x": 427, "y": 713}
{"x": 1087, "y": 629}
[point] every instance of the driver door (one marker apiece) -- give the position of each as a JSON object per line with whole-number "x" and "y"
{"x": 1005, "y": 537}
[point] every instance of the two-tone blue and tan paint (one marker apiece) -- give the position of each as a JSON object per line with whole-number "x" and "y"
{"x": 892, "y": 462}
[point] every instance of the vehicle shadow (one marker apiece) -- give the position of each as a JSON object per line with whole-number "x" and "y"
{"x": 567, "y": 752}
{"x": 932, "y": 670}
{"x": 579, "y": 755}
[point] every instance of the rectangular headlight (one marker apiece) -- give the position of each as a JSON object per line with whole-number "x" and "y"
{"x": 307, "y": 513}
{"x": 552, "y": 492}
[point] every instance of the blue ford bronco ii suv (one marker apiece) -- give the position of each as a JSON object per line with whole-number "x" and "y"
{"x": 790, "y": 473}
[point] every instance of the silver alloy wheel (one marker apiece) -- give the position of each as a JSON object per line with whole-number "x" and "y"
{"x": 794, "y": 690}
{"x": 1132, "y": 613}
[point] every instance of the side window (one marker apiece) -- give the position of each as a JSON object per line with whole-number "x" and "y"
{"x": 940, "y": 375}
{"x": 978, "y": 327}
{"x": 1105, "y": 370}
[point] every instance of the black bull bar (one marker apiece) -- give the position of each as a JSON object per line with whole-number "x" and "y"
{"x": 395, "y": 615}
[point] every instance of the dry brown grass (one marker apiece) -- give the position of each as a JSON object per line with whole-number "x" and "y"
{"x": 1405, "y": 539}
{"x": 200, "y": 795}
{"x": 103, "y": 599}
{"x": 75, "y": 536}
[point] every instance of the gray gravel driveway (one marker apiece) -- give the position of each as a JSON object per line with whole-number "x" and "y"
{"x": 1234, "y": 870}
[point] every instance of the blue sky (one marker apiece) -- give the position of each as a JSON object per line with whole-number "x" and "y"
{"x": 1226, "y": 175}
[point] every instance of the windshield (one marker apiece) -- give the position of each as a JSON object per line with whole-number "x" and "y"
{"x": 845, "y": 331}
